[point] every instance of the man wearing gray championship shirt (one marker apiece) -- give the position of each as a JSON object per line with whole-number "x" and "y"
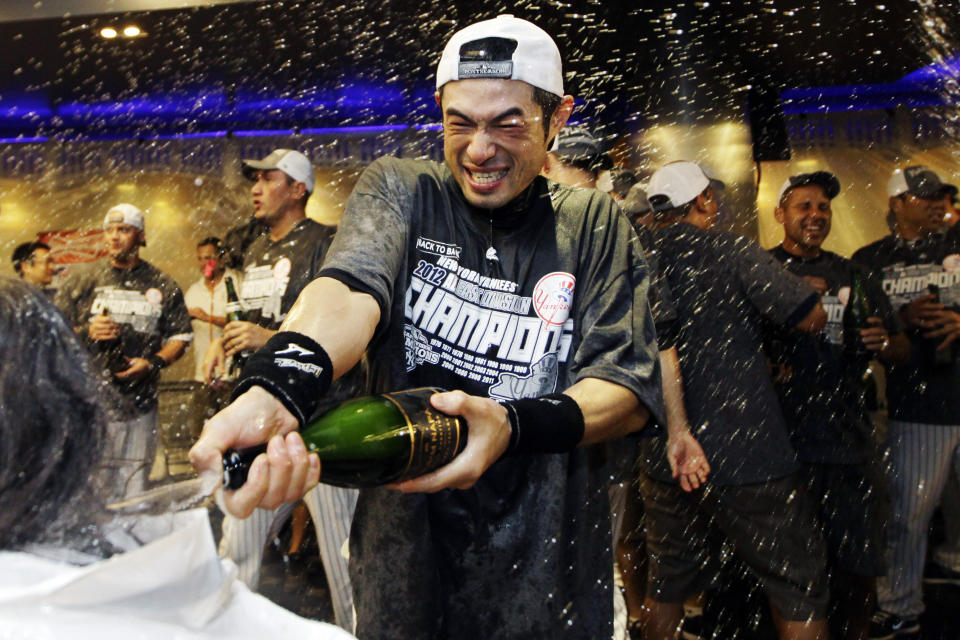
{"x": 476, "y": 276}
{"x": 133, "y": 319}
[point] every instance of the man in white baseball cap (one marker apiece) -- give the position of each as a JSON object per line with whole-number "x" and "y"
{"x": 563, "y": 358}
{"x": 126, "y": 215}
{"x": 683, "y": 190}
{"x": 293, "y": 163}
{"x": 276, "y": 266}
{"x": 133, "y": 319}
{"x": 726, "y": 290}
{"x": 918, "y": 265}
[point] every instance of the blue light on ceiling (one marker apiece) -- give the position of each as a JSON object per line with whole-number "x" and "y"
{"x": 920, "y": 88}
{"x": 159, "y": 105}
{"x": 23, "y": 140}
{"x": 252, "y": 133}
{"x": 189, "y": 136}
{"x": 322, "y": 131}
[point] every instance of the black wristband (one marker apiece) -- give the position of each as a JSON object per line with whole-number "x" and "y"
{"x": 550, "y": 424}
{"x": 294, "y": 368}
{"x": 157, "y": 363}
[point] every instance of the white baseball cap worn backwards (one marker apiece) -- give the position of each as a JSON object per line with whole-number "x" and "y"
{"x": 127, "y": 214}
{"x": 505, "y": 47}
{"x": 677, "y": 183}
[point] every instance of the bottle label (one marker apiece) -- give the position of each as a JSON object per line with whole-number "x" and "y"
{"x": 435, "y": 437}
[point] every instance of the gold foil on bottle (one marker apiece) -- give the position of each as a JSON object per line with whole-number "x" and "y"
{"x": 435, "y": 438}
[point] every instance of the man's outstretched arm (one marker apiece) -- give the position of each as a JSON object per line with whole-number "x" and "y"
{"x": 340, "y": 320}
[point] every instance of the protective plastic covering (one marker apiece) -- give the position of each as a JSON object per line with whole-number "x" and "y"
{"x": 173, "y": 587}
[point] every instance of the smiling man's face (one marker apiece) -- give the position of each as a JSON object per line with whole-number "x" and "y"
{"x": 806, "y": 215}
{"x": 495, "y": 138}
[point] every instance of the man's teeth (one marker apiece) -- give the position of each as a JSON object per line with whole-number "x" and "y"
{"x": 491, "y": 176}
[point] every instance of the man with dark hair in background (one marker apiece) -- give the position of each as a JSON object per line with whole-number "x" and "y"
{"x": 621, "y": 179}
{"x": 134, "y": 322}
{"x": 723, "y": 287}
{"x": 823, "y": 396}
{"x": 206, "y": 300}
{"x": 575, "y": 158}
{"x": 34, "y": 264}
{"x": 479, "y": 276}
{"x": 919, "y": 264}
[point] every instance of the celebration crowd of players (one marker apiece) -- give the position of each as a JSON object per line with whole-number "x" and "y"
{"x": 760, "y": 442}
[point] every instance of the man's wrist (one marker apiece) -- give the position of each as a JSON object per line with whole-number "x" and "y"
{"x": 294, "y": 368}
{"x": 157, "y": 362}
{"x": 550, "y": 424}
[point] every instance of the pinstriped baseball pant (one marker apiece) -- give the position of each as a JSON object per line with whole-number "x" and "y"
{"x": 331, "y": 509}
{"x": 921, "y": 459}
{"x": 947, "y": 555}
{"x": 129, "y": 450}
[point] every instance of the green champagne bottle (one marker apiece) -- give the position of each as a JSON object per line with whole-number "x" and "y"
{"x": 855, "y": 317}
{"x": 108, "y": 354}
{"x": 371, "y": 441}
{"x": 234, "y": 313}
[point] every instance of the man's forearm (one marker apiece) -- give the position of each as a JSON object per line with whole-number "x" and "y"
{"x": 172, "y": 350}
{"x": 609, "y": 410}
{"x": 677, "y": 421}
{"x": 338, "y": 318}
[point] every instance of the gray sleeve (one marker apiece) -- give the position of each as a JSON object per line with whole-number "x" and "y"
{"x": 776, "y": 293}
{"x": 619, "y": 340}
{"x": 68, "y": 297}
{"x": 369, "y": 247}
{"x": 659, "y": 294}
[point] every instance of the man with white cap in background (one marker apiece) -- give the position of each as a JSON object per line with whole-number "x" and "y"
{"x": 277, "y": 265}
{"x": 133, "y": 320}
{"x": 482, "y": 277}
{"x": 723, "y": 287}
{"x": 919, "y": 265}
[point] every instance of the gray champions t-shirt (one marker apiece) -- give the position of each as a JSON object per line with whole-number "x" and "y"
{"x": 146, "y": 303}
{"x": 920, "y": 390}
{"x": 519, "y": 306}
{"x": 275, "y": 272}
{"x": 724, "y": 286}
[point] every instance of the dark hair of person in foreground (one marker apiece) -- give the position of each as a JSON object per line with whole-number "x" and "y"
{"x": 52, "y": 421}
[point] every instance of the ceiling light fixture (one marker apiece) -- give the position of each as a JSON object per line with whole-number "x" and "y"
{"x": 131, "y": 31}
{"x": 108, "y": 32}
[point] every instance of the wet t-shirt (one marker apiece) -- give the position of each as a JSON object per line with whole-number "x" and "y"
{"x": 725, "y": 288}
{"x": 146, "y": 303}
{"x": 920, "y": 390}
{"x": 519, "y": 304}
{"x": 823, "y": 398}
{"x": 275, "y": 272}
{"x": 659, "y": 295}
